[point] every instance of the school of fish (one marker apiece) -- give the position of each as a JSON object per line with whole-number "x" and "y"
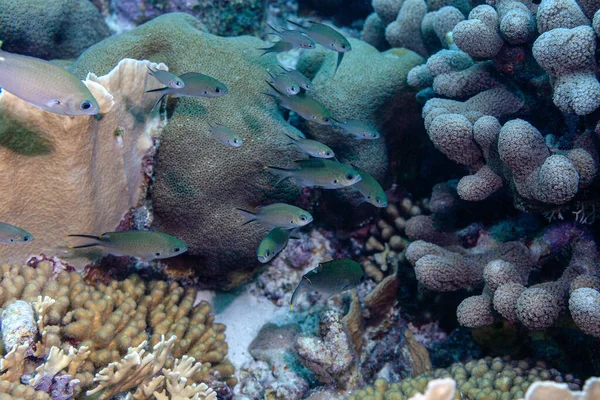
{"x": 56, "y": 90}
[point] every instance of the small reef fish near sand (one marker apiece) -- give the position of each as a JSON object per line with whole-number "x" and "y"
{"x": 297, "y": 77}
{"x": 326, "y": 37}
{"x": 195, "y": 85}
{"x": 305, "y": 106}
{"x": 144, "y": 245}
{"x": 370, "y": 189}
{"x": 273, "y": 243}
{"x": 278, "y": 47}
{"x": 284, "y": 84}
{"x": 296, "y": 38}
{"x": 318, "y": 172}
{"x": 225, "y": 135}
{"x": 330, "y": 278}
{"x": 10, "y": 234}
{"x": 45, "y": 85}
{"x": 312, "y": 147}
{"x": 166, "y": 78}
{"x": 358, "y": 129}
{"x": 277, "y": 214}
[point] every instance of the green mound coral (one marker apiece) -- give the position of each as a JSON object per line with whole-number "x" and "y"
{"x": 198, "y": 180}
{"x": 50, "y": 28}
{"x": 485, "y": 379}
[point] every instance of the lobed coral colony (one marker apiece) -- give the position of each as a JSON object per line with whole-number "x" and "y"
{"x": 391, "y": 200}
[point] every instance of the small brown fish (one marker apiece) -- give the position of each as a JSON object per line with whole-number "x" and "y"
{"x": 297, "y": 77}
{"x": 45, "y": 85}
{"x": 318, "y": 172}
{"x": 167, "y": 78}
{"x": 195, "y": 85}
{"x": 331, "y": 278}
{"x": 278, "y": 47}
{"x": 144, "y": 245}
{"x": 294, "y": 37}
{"x": 284, "y": 84}
{"x": 326, "y": 37}
{"x": 305, "y": 106}
{"x": 10, "y": 234}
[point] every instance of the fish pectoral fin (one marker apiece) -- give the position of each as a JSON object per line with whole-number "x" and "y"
{"x": 339, "y": 61}
{"x": 295, "y": 23}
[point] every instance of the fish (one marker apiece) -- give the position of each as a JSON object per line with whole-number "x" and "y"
{"x": 318, "y": 172}
{"x": 279, "y": 215}
{"x": 296, "y": 38}
{"x": 305, "y": 106}
{"x": 326, "y": 37}
{"x": 166, "y": 78}
{"x": 370, "y": 189}
{"x": 312, "y": 147}
{"x": 330, "y": 278}
{"x": 297, "y": 77}
{"x": 10, "y": 234}
{"x": 275, "y": 241}
{"x": 144, "y": 245}
{"x": 358, "y": 129}
{"x": 278, "y": 47}
{"x": 284, "y": 84}
{"x": 195, "y": 85}
{"x": 225, "y": 135}
{"x": 46, "y": 86}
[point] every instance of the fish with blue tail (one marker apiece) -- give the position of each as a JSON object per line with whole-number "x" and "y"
{"x": 326, "y": 37}
{"x": 330, "y": 278}
{"x": 195, "y": 85}
{"x": 143, "y": 245}
{"x": 279, "y": 215}
{"x": 318, "y": 172}
{"x": 46, "y": 86}
{"x": 10, "y": 234}
{"x": 275, "y": 241}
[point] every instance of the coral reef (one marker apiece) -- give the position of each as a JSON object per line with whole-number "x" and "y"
{"x": 50, "y": 28}
{"x": 497, "y": 378}
{"x": 94, "y": 170}
{"x": 112, "y": 320}
{"x": 224, "y": 18}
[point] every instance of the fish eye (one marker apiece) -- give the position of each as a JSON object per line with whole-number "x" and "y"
{"x": 176, "y": 249}
{"x": 314, "y": 116}
{"x": 378, "y": 200}
{"x": 205, "y": 92}
{"x": 26, "y": 238}
{"x": 335, "y": 181}
{"x": 350, "y": 177}
{"x": 327, "y": 153}
{"x": 326, "y": 119}
{"x": 343, "y": 46}
{"x": 217, "y": 90}
{"x": 178, "y": 83}
{"x": 332, "y": 44}
{"x": 157, "y": 254}
{"x": 56, "y": 102}
{"x": 303, "y": 218}
{"x": 12, "y": 240}
{"x": 268, "y": 253}
{"x": 369, "y": 197}
{"x": 85, "y": 105}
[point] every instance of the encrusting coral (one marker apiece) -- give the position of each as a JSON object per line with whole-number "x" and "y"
{"x": 109, "y": 321}
{"x": 497, "y": 378}
{"x": 62, "y": 175}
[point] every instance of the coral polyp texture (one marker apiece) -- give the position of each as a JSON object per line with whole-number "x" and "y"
{"x": 94, "y": 170}
{"x": 113, "y": 326}
{"x": 489, "y": 378}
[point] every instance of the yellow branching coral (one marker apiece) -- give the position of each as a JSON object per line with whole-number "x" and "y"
{"x": 11, "y": 365}
{"x": 110, "y": 319}
{"x": 134, "y": 369}
{"x": 79, "y": 173}
{"x": 17, "y": 391}
{"x": 177, "y": 384}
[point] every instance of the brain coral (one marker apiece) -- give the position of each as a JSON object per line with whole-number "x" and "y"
{"x": 50, "y": 28}
{"x": 199, "y": 181}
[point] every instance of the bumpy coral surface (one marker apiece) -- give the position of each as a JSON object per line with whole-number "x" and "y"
{"x": 109, "y": 320}
{"x": 50, "y": 28}
{"x": 62, "y": 175}
{"x": 498, "y": 378}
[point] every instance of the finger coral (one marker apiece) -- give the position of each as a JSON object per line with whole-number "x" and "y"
{"x": 94, "y": 170}
{"x": 111, "y": 319}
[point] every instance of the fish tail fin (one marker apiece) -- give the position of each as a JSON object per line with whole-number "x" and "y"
{"x": 285, "y": 70}
{"x": 86, "y": 236}
{"x": 295, "y": 24}
{"x": 158, "y": 101}
{"x": 268, "y": 50}
{"x": 271, "y": 75}
{"x": 339, "y": 61}
{"x": 294, "y": 234}
{"x": 274, "y": 88}
{"x": 84, "y": 246}
{"x": 294, "y": 140}
{"x": 162, "y": 89}
{"x": 151, "y": 71}
{"x": 97, "y": 238}
{"x": 249, "y": 216}
{"x": 275, "y": 31}
{"x": 297, "y": 292}
{"x": 282, "y": 172}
